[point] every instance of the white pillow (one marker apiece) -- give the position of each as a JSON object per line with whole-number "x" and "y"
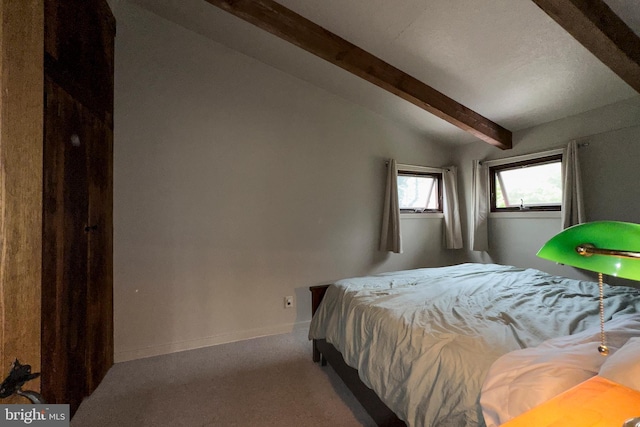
{"x": 623, "y": 367}
{"x": 520, "y": 380}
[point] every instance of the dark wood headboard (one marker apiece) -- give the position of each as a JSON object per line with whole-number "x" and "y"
{"x": 317, "y": 293}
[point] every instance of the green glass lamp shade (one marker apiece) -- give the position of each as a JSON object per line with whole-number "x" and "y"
{"x": 619, "y": 243}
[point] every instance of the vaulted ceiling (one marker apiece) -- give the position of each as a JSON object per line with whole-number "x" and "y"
{"x": 504, "y": 61}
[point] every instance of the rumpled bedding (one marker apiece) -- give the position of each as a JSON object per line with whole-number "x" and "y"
{"x": 523, "y": 379}
{"x": 425, "y": 339}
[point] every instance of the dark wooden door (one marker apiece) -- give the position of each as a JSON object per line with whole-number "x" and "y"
{"x": 64, "y": 248}
{"x": 77, "y": 302}
{"x": 77, "y": 290}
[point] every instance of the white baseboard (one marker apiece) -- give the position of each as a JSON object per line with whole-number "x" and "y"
{"x": 174, "y": 347}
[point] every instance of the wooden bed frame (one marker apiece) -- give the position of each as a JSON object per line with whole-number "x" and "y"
{"x": 324, "y": 352}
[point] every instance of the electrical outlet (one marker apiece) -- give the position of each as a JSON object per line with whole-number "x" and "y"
{"x": 288, "y": 302}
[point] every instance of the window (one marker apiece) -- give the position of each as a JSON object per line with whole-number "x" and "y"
{"x": 529, "y": 185}
{"x": 419, "y": 191}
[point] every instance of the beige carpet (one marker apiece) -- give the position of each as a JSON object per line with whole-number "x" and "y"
{"x": 268, "y": 381}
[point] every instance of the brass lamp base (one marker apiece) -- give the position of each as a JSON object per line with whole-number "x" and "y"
{"x": 632, "y": 422}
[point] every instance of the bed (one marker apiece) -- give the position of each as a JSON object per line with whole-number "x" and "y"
{"x": 423, "y": 341}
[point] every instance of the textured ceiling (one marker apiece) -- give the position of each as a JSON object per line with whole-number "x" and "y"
{"x": 505, "y": 59}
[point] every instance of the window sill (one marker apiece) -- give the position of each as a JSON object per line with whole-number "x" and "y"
{"x": 527, "y": 215}
{"x": 430, "y": 215}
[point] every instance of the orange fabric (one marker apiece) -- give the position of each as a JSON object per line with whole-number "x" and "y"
{"x": 596, "y": 402}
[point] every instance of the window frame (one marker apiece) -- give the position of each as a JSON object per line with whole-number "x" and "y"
{"x": 436, "y": 173}
{"x": 543, "y": 158}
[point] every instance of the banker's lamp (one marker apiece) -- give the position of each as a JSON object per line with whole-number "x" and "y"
{"x": 606, "y": 247}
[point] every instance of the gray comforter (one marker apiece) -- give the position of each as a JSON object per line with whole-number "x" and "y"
{"x": 425, "y": 339}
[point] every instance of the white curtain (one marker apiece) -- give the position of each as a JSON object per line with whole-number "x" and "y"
{"x": 480, "y": 235}
{"x": 572, "y": 203}
{"x": 390, "y": 240}
{"x": 452, "y": 230}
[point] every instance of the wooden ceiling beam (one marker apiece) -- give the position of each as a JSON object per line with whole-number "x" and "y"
{"x": 602, "y": 32}
{"x": 288, "y": 25}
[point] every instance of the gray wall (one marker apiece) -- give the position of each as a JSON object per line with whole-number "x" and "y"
{"x": 235, "y": 185}
{"x": 610, "y": 172}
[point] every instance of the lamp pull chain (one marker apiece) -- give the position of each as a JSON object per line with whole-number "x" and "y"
{"x": 602, "y": 348}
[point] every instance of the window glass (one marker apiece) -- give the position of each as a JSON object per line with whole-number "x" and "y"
{"x": 531, "y": 185}
{"x": 419, "y": 192}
